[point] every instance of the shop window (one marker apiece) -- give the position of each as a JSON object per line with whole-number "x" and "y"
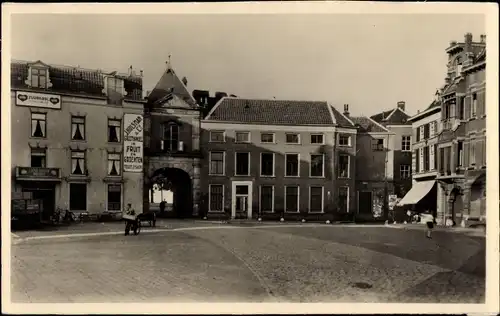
{"x": 78, "y": 196}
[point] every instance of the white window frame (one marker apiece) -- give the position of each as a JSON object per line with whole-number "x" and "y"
{"x": 432, "y": 129}
{"x": 348, "y": 167}
{"x": 119, "y": 161}
{"x": 404, "y": 139}
{"x": 317, "y": 134}
{"x": 236, "y": 162}
{"x": 401, "y": 170}
{"x": 322, "y": 199}
{"x": 348, "y": 140}
{"x": 260, "y": 198}
{"x": 118, "y": 127}
{"x": 421, "y": 162}
{"x": 348, "y": 196}
{"x": 210, "y": 197}
{"x": 473, "y": 105}
{"x": 298, "y": 138}
{"x": 76, "y": 121}
{"x": 216, "y": 141}
{"x": 107, "y": 197}
{"x": 298, "y": 198}
{"x": 223, "y": 163}
{"x": 298, "y": 167}
{"x": 472, "y": 154}
{"x": 242, "y": 142}
{"x": 274, "y": 165}
{"x": 421, "y": 131}
{"x": 460, "y": 156}
{"x": 42, "y": 117}
{"x": 272, "y": 142}
{"x": 432, "y": 157}
{"x": 310, "y": 165}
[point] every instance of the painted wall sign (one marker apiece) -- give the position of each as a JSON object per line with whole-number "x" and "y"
{"x": 40, "y": 100}
{"x": 133, "y": 142}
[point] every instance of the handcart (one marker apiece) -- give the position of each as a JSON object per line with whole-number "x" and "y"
{"x": 132, "y": 221}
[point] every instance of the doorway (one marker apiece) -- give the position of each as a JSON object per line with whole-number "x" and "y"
{"x": 45, "y": 192}
{"x": 177, "y": 192}
{"x": 365, "y": 203}
{"x": 241, "y": 199}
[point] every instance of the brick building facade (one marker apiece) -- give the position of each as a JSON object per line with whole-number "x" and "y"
{"x": 67, "y": 136}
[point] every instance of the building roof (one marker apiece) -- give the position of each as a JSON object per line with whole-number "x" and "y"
{"x": 74, "y": 80}
{"x": 168, "y": 84}
{"x": 434, "y": 104}
{"x": 395, "y": 116}
{"x": 367, "y": 125}
{"x": 342, "y": 120}
{"x": 271, "y": 112}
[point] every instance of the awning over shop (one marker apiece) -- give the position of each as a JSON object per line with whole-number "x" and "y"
{"x": 417, "y": 192}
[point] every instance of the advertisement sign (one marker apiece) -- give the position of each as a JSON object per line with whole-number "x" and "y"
{"x": 133, "y": 138}
{"x": 39, "y": 100}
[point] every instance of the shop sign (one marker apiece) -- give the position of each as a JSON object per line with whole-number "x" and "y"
{"x": 133, "y": 140}
{"x": 39, "y": 100}
{"x": 34, "y": 172}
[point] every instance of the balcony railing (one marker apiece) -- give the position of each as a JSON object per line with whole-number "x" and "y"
{"x": 38, "y": 173}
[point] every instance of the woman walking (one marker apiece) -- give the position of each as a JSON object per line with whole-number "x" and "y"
{"x": 429, "y": 222}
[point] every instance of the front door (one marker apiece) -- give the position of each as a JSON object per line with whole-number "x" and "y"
{"x": 365, "y": 202}
{"x": 241, "y": 199}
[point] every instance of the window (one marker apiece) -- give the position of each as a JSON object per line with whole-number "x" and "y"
{"x": 114, "y": 197}
{"x": 170, "y": 137}
{"x": 114, "y": 86}
{"x": 292, "y": 139}
{"x": 292, "y": 165}
{"x": 426, "y": 131}
{"x": 78, "y": 128}
{"x": 459, "y": 67}
{"x": 343, "y": 203}
{"x": 417, "y": 132}
{"x": 267, "y": 164}
{"x": 242, "y": 137}
{"x": 432, "y": 157}
{"x": 78, "y": 196}
{"x": 417, "y": 160}
{"x": 38, "y": 157}
{"x": 406, "y": 143}
{"x": 316, "y": 199}
{"x": 39, "y": 125}
{"x": 217, "y": 137}
{"x": 291, "y": 199}
{"x": 114, "y": 163}
{"x": 216, "y": 163}
{"x": 426, "y": 158}
{"x": 473, "y": 108}
{"x": 421, "y": 161}
{"x": 432, "y": 129}
{"x": 316, "y": 138}
{"x": 317, "y": 166}
{"x": 344, "y": 140}
{"x": 114, "y": 130}
{"x": 422, "y": 132}
{"x": 39, "y": 78}
{"x": 343, "y": 166}
{"x": 242, "y": 164}
{"x": 405, "y": 171}
{"x": 378, "y": 144}
{"x": 267, "y": 198}
{"x": 472, "y": 154}
{"x": 78, "y": 163}
{"x": 216, "y": 197}
{"x": 461, "y": 109}
{"x": 460, "y": 156}
{"x": 267, "y": 138}
{"x": 435, "y": 157}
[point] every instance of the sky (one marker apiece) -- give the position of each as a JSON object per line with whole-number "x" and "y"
{"x": 367, "y": 61}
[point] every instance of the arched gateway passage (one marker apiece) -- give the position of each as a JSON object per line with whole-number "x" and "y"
{"x": 179, "y": 183}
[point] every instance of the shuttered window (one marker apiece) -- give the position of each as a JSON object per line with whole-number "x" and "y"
{"x": 466, "y": 154}
{"x": 417, "y": 161}
{"x": 467, "y": 103}
{"x": 480, "y": 104}
{"x": 414, "y": 161}
{"x": 421, "y": 155}
{"x": 431, "y": 158}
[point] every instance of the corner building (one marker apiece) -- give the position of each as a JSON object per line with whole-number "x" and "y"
{"x": 67, "y": 136}
{"x": 273, "y": 158}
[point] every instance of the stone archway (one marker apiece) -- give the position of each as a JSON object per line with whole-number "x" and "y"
{"x": 456, "y": 204}
{"x": 477, "y": 199}
{"x": 179, "y": 183}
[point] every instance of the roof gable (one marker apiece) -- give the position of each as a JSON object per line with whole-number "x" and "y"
{"x": 341, "y": 120}
{"x": 271, "y": 112}
{"x": 395, "y": 116}
{"x": 368, "y": 125}
{"x": 170, "y": 83}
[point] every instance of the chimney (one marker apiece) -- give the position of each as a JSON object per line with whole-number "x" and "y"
{"x": 468, "y": 42}
{"x": 184, "y": 81}
{"x": 142, "y": 72}
{"x": 346, "y": 109}
{"x": 401, "y": 105}
{"x": 483, "y": 38}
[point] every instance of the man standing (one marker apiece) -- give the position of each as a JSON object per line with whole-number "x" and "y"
{"x": 162, "y": 206}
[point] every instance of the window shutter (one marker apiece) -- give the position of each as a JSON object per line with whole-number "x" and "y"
{"x": 422, "y": 132}
{"x": 416, "y": 161}
{"x": 480, "y": 104}
{"x": 466, "y": 155}
{"x": 467, "y": 105}
{"x": 421, "y": 155}
{"x": 479, "y": 153}
{"x": 431, "y": 157}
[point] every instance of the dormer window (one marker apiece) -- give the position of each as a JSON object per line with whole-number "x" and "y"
{"x": 114, "y": 86}
{"x": 39, "y": 78}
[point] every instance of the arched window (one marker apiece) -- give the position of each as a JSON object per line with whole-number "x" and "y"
{"x": 170, "y": 136}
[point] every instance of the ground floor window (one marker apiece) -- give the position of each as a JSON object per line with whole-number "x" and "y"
{"x": 216, "y": 198}
{"x": 316, "y": 200}
{"x": 291, "y": 199}
{"x": 114, "y": 197}
{"x": 78, "y": 196}
{"x": 267, "y": 198}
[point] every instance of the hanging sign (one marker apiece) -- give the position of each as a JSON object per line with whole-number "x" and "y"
{"x": 133, "y": 142}
{"x": 39, "y": 100}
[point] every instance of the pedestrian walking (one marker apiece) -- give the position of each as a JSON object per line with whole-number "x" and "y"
{"x": 408, "y": 213}
{"x": 430, "y": 224}
{"x": 162, "y": 206}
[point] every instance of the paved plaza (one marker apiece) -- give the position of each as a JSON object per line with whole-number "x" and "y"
{"x": 273, "y": 262}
